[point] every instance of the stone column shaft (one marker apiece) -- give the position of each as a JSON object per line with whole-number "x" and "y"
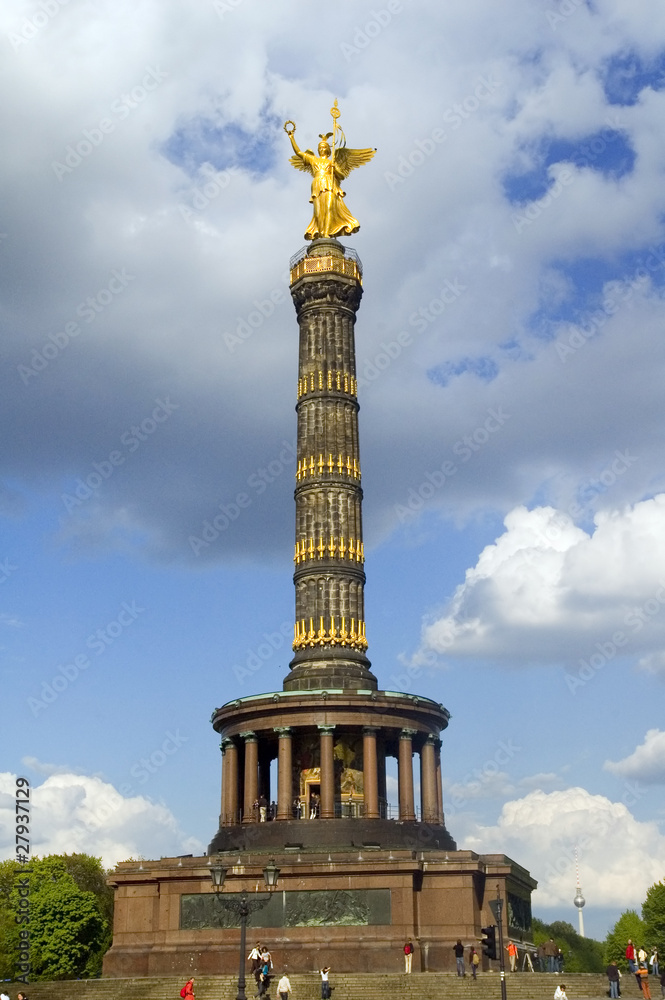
{"x": 251, "y": 777}
{"x": 439, "y": 787}
{"x": 370, "y": 774}
{"x": 231, "y": 756}
{"x": 327, "y": 807}
{"x": 429, "y": 804}
{"x": 405, "y": 776}
{"x": 225, "y": 786}
{"x": 284, "y": 774}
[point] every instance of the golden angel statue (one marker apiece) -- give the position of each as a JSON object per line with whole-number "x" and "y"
{"x": 331, "y": 216}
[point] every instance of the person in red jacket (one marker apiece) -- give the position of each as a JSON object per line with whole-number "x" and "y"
{"x": 630, "y": 956}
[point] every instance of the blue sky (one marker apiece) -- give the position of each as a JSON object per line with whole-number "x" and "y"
{"x": 513, "y": 238}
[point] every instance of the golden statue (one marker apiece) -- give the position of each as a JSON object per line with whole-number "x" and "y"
{"x": 331, "y": 216}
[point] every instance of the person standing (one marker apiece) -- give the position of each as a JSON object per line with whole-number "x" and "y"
{"x": 662, "y": 984}
{"x": 613, "y": 975}
{"x": 284, "y": 987}
{"x": 408, "y": 955}
{"x": 643, "y": 974}
{"x": 459, "y": 957}
{"x": 642, "y": 956}
{"x": 653, "y": 962}
{"x": 512, "y": 955}
{"x": 325, "y": 982}
{"x": 474, "y": 960}
{"x": 550, "y": 950}
{"x": 630, "y": 955}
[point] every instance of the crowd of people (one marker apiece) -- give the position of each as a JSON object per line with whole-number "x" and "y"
{"x": 264, "y": 811}
{"x": 262, "y": 966}
{"x": 639, "y": 961}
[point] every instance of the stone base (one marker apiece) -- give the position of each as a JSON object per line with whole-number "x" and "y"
{"x": 352, "y": 910}
{"x": 332, "y": 834}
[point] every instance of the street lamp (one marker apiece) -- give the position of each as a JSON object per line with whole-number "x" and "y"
{"x": 242, "y": 907}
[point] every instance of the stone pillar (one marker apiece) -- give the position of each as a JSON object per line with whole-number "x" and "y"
{"x": 429, "y": 805}
{"x": 439, "y": 787}
{"x": 225, "y": 785}
{"x": 231, "y": 758}
{"x": 284, "y": 774}
{"x": 327, "y": 773}
{"x": 405, "y": 775}
{"x": 251, "y": 783}
{"x": 370, "y": 773}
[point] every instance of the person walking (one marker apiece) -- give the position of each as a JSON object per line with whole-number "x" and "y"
{"x": 325, "y": 982}
{"x": 408, "y": 955}
{"x": 187, "y": 992}
{"x": 474, "y": 960}
{"x": 284, "y": 987}
{"x": 255, "y": 958}
{"x": 459, "y": 957}
{"x": 613, "y": 976}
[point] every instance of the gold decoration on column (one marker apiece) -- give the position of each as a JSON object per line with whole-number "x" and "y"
{"x": 354, "y": 637}
{"x": 342, "y": 465}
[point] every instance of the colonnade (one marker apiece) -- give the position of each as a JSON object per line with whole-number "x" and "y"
{"x": 246, "y": 762}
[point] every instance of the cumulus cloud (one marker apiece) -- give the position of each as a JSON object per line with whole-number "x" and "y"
{"x": 74, "y": 813}
{"x": 646, "y": 763}
{"x": 619, "y": 855}
{"x": 547, "y": 591}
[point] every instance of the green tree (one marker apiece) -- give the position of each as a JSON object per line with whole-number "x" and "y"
{"x": 629, "y": 925}
{"x": 653, "y": 912}
{"x": 581, "y": 954}
{"x": 71, "y": 910}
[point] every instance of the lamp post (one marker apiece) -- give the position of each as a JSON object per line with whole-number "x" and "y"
{"x": 496, "y": 906}
{"x": 242, "y": 907}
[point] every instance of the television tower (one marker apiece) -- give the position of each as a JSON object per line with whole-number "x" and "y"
{"x": 579, "y": 900}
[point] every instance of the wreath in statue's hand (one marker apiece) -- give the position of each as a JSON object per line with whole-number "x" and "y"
{"x": 289, "y": 131}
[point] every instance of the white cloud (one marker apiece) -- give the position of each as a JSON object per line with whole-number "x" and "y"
{"x": 620, "y": 857}
{"x": 121, "y": 208}
{"x": 548, "y": 592}
{"x": 646, "y": 763}
{"x": 74, "y": 813}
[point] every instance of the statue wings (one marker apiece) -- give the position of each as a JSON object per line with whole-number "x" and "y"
{"x": 346, "y": 160}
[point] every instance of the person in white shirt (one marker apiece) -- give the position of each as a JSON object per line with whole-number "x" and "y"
{"x": 560, "y": 993}
{"x": 284, "y": 987}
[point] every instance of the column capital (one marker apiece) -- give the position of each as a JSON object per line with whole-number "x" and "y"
{"x": 283, "y": 730}
{"x": 407, "y": 734}
{"x": 326, "y": 729}
{"x": 433, "y": 740}
{"x": 226, "y": 744}
{"x": 370, "y": 730}
{"x": 249, "y": 736}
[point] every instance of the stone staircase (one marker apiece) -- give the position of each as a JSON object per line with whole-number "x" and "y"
{"x": 347, "y": 986}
